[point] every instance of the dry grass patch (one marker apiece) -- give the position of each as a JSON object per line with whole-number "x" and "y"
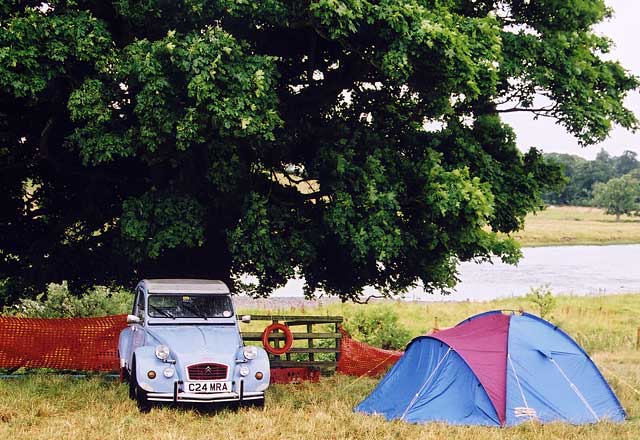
{"x": 48, "y": 407}
{"x": 99, "y": 409}
{"x": 572, "y": 225}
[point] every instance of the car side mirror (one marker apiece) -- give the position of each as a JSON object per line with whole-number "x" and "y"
{"x": 133, "y": 319}
{"x": 246, "y": 319}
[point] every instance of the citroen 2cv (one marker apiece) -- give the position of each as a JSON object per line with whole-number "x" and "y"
{"x": 183, "y": 345}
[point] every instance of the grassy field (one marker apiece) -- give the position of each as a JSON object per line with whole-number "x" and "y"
{"x": 46, "y": 407}
{"x": 573, "y": 225}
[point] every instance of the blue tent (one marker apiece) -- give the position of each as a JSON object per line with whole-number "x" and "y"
{"x": 495, "y": 369}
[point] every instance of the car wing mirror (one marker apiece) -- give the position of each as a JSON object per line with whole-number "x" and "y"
{"x": 246, "y": 319}
{"x": 133, "y": 319}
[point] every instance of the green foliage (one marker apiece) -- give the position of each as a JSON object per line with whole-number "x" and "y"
{"x": 218, "y": 138}
{"x": 225, "y": 93}
{"x": 378, "y": 326}
{"x": 37, "y": 48}
{"x": 543, "y": 299}
{"x": 556, "y": 51}
{"x": 59, "y": 302}
{"x": 161, "y": 222}
{"x": 618, "y": 196}
{"x": 582, "y": 175}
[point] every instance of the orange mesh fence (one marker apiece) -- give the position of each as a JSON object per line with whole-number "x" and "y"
{"x": 87, "y": 344}
{"x": 360, "y": 359}
{"x": 294, "y": 375}
{"x": 91, "y": 344}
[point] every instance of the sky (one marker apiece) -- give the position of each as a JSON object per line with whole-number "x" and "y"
{"x": 624, "y": 29}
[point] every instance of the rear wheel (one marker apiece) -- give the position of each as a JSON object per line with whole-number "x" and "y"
{"x": 124, "y": 375}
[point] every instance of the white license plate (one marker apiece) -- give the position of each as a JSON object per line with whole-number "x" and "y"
{"x": 209, "y": 387}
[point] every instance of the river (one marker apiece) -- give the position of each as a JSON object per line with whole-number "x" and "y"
{"x": 577, "y": 270}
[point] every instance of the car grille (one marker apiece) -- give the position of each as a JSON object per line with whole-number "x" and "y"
{"x": 207, "y": 371}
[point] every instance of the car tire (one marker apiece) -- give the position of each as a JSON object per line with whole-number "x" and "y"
{"x": 258, "y": 404}
{"x": 136, "y": 393}
{"x": 124, "y": 375}
{"x": 132, "y": 386}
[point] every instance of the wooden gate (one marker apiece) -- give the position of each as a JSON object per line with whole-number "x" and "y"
{"x": 305, "y": 340}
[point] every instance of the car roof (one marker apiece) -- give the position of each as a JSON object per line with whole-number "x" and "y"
{"x": 177, "y": 285}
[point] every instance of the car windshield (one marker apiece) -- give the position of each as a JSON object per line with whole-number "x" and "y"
{"x": 190, "y": 306}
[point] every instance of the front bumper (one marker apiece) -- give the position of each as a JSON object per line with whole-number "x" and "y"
{"x": 179, "y": 396}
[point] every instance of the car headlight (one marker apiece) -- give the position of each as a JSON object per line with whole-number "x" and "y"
{"x": 162, "y": 352}
{"x": 250, "y": 352}
{"x": 244, "y": 371}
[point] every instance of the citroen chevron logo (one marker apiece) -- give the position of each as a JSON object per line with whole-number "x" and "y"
{"x": 207, "y": 370}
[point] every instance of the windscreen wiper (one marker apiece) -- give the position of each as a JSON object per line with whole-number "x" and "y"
{"x": 162, "y": 312}
{"x": 195, "y": 310}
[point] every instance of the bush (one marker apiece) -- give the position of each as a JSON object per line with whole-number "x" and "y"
{"x": 58, "y": 302}
{"x": 542, "y": 297}
{"x": 378, "y": 326}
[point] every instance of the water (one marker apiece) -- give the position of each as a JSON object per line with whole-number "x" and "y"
{"x": 577, "y": 270}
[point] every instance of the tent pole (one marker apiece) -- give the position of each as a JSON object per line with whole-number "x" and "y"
{"x": 404, "y": 414}
{"x": 576, "y": 390}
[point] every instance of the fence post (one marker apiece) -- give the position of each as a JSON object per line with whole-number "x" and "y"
{"x": 276, "y": 343}
{"x": 338, "y": 341}
{"x": 310, "y": 341}
{"x": 638, "y": 339}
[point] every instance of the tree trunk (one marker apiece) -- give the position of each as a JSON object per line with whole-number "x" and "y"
{"x": 617, "y": 216}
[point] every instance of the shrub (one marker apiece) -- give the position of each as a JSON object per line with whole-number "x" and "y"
{"x": 378, "y": 326}
{"x": 58, "y": 302}
{"x": 542, "y": 297}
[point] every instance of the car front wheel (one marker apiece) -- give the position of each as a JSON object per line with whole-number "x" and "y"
{"x": 137, "y": 393}
{"x": 132, "y": 389}
{"x": 258, "y": 403}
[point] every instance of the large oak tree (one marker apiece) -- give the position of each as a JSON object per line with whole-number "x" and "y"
{"x": 354, "y": 142}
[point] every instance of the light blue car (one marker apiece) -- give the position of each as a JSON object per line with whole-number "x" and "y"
{"x": 183, "y": 344}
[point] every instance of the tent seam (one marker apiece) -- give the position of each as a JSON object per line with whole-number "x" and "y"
{"x": 493, "y": 312}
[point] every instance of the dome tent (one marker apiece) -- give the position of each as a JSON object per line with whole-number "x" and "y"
{"x": 495, "y": 369}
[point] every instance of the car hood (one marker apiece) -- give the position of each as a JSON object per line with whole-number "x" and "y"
{"x": 197, "y": 341}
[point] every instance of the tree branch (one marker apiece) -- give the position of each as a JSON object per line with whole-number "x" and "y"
{"x": 548, "y": 111}
{"x": 43, "y": 145}
{"x": 524, "y": 109}
{"x": 331, "y": 86}
{"x": 366, "y": 301}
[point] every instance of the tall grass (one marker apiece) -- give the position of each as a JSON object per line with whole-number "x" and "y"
{"x": 597, "y": 322}
{"x": 60, "y": 408}
{"x": 52, "y": 407}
